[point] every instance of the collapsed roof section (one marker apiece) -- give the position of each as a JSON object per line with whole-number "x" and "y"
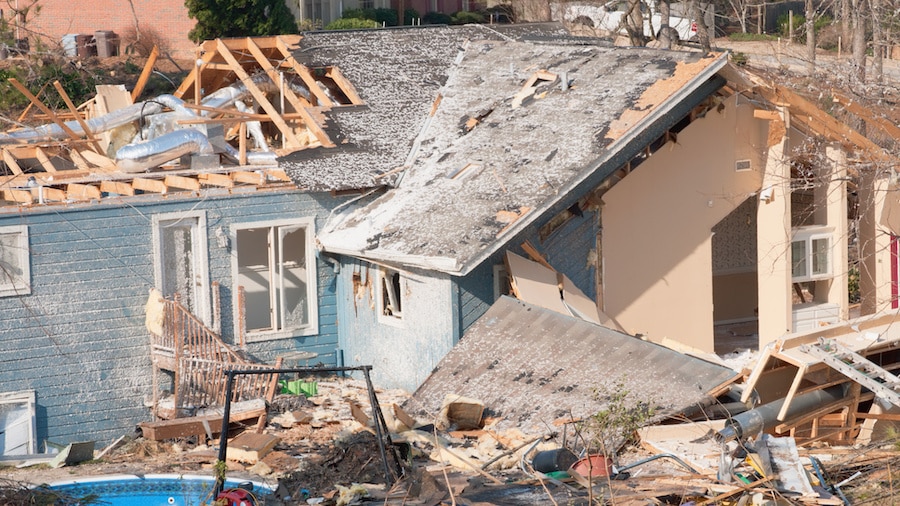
{"x": 533, "y": 366}
{"x": 246, "y": 102}
{"x": 516, "y": 129}
{"x": 399, "y": 72}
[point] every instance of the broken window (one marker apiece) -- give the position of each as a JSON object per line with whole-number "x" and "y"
{"x": 276, "y": 271}
{"x": 180, "y": 242}
{"x": 17, "y": 426}
{"x": 15, "y": 268}
{"x": 391, "y": 294}
{"x": 811, "y": 254}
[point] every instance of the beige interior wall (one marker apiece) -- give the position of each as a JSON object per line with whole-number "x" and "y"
{"x": 836, "y": 216}
{"x": 657, "y": 223}
{"x": 773, "y": 239}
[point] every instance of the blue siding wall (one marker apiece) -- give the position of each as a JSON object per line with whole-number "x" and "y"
{"x": 570, "y": 249}
{"x": 79, "y": 338}
{"x": 402, "y": 353}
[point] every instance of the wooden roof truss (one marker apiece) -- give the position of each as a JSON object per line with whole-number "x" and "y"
{"x": 79, "y": 169}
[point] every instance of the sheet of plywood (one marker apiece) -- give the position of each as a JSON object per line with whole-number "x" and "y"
{"x": 581, "y": 305}
{"x": 691, "y": 442}
{"x": 535, "y": 283}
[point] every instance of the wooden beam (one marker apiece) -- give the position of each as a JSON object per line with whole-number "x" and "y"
{"x": 184, "y": 427}
{"x": 45, "y": 160}
{"x": 305, "y": 74}
{"x": 79, "y": 160}
{"x": 50, "y": 193}
{"x": 260, "y": 97}
{"x": 145, "y": 74}
{"x": 300, "y": 107}
{"x": 20, "y": 196}
{"x": 883, "y": 124}
{"x": 536, "y": 255}
{"x": 186, "y": 183}
{"x": 116, "y": 187}
{"x": 149, "y": 185}
{"x": 11, "y": 162}
{"x": 213, "y": 179}
{"x": 74, "y": 110}
{"x": 77, "y": 191}
{"x": 241, "y": 176}
{"x": 192, "y": 76}
{"x": 40, "y": 105}
{"x": 346, "y": 86}
{"x": 279, "y": 174}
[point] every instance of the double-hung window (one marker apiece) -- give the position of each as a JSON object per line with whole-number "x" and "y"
{"x": 276, "y": 270}
{"x": 15, "y": 263}
{"x": 811, "y": 254}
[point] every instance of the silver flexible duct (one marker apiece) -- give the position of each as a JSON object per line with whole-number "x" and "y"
{"x": 135, "y": 158}
{"x": 52, "y": 131}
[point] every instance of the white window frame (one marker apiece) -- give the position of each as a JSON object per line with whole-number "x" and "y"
{"x": 201, "y": 259}
{"x": 385, "y": 279}
{"x": 21, "y": 285}
{"x": 26, "y": 398}
{"x": 807, "y": 236}
{"x": 312, "y": 326}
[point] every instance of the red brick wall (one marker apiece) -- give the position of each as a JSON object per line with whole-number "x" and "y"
{"x": 168, "y": 18}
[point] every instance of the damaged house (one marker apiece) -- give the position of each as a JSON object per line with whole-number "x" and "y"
{"x": 183, "y": 197}
{"x": 677, "y": 194}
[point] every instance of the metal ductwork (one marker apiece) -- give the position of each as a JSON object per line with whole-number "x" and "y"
{"x": 146, "y": 155}
{"x": 765, "y": 417}
{"x": 52, "y": 131}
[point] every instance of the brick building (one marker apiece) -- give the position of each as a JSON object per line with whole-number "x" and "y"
{"x": 164, "y": 22}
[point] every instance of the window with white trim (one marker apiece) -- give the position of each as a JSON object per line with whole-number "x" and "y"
{"x": 15, "y": 261}
{"x": 275, "y": 267}
{"x": 17, "y": 427}
{"x": 390, "y": 294}
{"x": 811, "y": 254}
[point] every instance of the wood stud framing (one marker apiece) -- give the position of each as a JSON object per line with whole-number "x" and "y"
{"x": 77, "y": 169}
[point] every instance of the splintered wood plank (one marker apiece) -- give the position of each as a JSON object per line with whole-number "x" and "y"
{"x": 116, "y": 187}
{"x": 278, "y": 174}
{"x": 298, "y": 105}
{"x": 77, "y": 191}
{"x": 145, "y": 74}
{"x": 242, "y": 176}
{"x": 211, "y": 179}
{"x": 192, "y": 76}
{"x": 74, "y": 110}
{"x": 250, "y": 447}
{"x": 20, "y": 196}
{"x": 11, "y": 162}
{"x": 260, "y": 97}
{"x": 149, "y": 185}
{"x": 79, "y": 160}
{"x": 45, "y": 160}
{"x": 186, "y": 183}
{"x": 101, "y": 161}
{"x": 305, "y": 74}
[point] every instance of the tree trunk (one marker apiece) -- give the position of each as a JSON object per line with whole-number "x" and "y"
{"x": 810, "y": 39}
{"x": 859, "y": 38}
{"x": 702, "y": 31}
{"x": 665, "y": 38}
{"x": 878, "y": 44}
{"x": 634, "y": 23}
{"x": 846, "y": 22}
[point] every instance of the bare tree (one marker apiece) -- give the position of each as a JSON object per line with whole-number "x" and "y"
{"x": 531, "y": 10}
{"x": 810, "y": 38}
{"x": 702, "y": 31}
{"x": 634, "y": 23}
{"x": 859, "y": 37}
{"x": 665, "y": 35}
{"x": 878, "y": 42}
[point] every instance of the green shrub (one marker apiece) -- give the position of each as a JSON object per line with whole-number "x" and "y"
{"x": 436, "y": 18}
{"x": 467, "y": 17}
{"x": 410, "y": 16}
{"x": 749, "y": 37}
{"x": 351, "y": 24}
